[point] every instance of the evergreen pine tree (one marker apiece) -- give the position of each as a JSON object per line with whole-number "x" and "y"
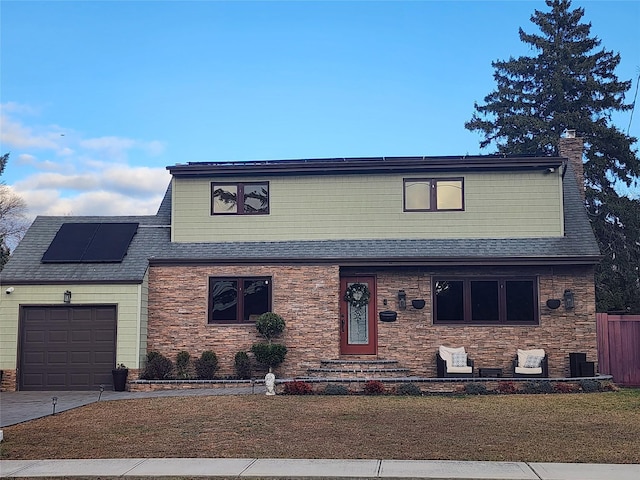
{"x": 571, "y": 84}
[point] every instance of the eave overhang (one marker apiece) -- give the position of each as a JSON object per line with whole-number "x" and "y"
{"x": 383, "y": 262}
{"x": 9, "y": 281}
{"x": 369, "y": 165}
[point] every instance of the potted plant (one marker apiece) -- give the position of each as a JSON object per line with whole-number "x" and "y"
{"x": 120, "y": 374}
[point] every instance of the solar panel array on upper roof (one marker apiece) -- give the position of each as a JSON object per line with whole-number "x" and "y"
{"x": 90, "y": 243}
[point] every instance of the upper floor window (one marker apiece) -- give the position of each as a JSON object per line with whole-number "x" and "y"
{"x": 510, "y": 301}
{"x": 433, "y": 194}
{"x": 238, "y": 300}
{"x": 239, "y": 198}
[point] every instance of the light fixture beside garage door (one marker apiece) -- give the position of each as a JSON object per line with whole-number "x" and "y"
{"x": 67, "y": 296}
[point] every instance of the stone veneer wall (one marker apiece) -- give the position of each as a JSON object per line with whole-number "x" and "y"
{"x": 308, "y": 299}
{"x": 305, "y": 296}
{"x": 414, "y": 339}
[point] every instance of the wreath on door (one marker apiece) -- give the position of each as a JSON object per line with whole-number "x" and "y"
{"x": 357, "y": 294}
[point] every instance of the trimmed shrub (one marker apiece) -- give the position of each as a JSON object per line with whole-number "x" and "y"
{"x": 543, "y": 386}
{"x": 507, "y": 388}
{"x": 183, "y": 362}
{"x": 374, "y": 387}
{"x": 269, "y": 355}
{"x": 335, "y": 389}
{"x": 475, "y": 388}
{"x": 206, "y": 365}
{"x": 297, "y": 388}
{"x": 270, "y": 325}
{"x": 242, "y": 364}
{"x": 158, "y": 367}
{"x": 589, "y": 386}
{"x": 408, "y": 389}
{"x": 566, "y": 387}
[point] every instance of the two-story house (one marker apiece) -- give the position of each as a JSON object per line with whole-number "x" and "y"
{"x": 482, "y": 241}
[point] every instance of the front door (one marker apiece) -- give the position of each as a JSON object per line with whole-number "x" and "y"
{"x": 358, "y": 327}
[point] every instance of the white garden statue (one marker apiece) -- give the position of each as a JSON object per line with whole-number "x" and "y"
{"x": 270, "y": 383}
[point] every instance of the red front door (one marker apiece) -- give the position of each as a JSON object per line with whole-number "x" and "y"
{"x": 358, "y": 327}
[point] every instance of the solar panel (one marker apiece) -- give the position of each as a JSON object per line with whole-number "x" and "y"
{"x": 90, "y": 243}
{"x": 110, "y": 242}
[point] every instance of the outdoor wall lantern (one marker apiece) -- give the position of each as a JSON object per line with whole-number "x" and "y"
{"x": 402, "y": 300}
{"x": 568, "y": 299}
{"x": 67, "y": 296}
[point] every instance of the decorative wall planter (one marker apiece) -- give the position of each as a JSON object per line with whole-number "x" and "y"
{"x": 553, "y": 303}
{"x": 388, "y": 316}
{"x": 418, "y": 304}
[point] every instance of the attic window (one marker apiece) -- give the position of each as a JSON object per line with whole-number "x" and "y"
{"x": 240, "y": 198}
{"x": 433, "y": 194}
{"x": 90, "y": 243}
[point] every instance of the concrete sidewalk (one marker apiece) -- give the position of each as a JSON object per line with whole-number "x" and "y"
{"x": 314, "y": 469}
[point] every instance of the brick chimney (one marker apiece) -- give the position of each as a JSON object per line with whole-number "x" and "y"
{"x": 572, "y": 148}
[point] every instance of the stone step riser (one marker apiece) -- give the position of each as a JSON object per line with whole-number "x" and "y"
{"x": 359, "y": 369}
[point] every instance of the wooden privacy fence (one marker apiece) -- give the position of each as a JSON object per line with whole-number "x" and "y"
{"x": 619, "y": 347}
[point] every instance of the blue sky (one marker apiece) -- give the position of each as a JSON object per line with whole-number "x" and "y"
{"x": 98, "y": 97}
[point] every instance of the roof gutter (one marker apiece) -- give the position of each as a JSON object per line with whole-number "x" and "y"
{"x": 363, "y": 165}
{"x": 383, "y": 262}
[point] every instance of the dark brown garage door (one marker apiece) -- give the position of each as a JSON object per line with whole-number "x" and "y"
{"x": 67, "y": 348}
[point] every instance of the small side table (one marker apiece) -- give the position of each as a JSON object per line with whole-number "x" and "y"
{"x": 490, "y": 372}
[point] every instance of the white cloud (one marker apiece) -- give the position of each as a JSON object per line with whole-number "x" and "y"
{"x": 62, "y": 172}
{"x": 17, "y": 135}
{"x": 101, "y": 203}
{"x": 48, "y": 181}
{"x": 46, "y": 165}
{"x": 135, "y": 181}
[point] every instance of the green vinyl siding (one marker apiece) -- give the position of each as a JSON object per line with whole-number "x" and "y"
{"x": 127, "y": 299}
{"x": 496, "y": 205}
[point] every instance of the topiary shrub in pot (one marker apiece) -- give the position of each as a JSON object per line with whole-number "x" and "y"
{"x": 270, "y": 325}
{"x": 269, "y": 355}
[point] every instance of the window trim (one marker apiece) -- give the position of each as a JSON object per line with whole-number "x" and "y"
{"x": 502, "y": 300}
{"x": 239, "y": 307}
{"x": 433, "y": 194}
{"x": 240, "y": 197}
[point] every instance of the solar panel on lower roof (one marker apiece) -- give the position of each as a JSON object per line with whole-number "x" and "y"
{"x": 90, "y": 243}
{"x": 70, "y": 243}
{"x": 111, "y": 242}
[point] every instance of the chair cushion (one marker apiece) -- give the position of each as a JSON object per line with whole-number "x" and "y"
{"x": 528, "y": 371}
{"x": 458, "y": 359}
{"x": 460, "y": 369}
{"x": 523, "y": 354}
{"x": 446, "y": 352}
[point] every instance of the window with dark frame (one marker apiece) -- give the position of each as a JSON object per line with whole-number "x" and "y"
{"x": 433, "y": 194}
{"x": 251, "y": 198}
{"x": 238, "y": 299}
{"x": 482, "y": 301}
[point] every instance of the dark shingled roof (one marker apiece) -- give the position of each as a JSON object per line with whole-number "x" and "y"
{"x": 152, "y": 244}
{"x": 25, "y": 265}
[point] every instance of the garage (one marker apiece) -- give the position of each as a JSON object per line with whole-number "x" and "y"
{"x": 67, "y": 347}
